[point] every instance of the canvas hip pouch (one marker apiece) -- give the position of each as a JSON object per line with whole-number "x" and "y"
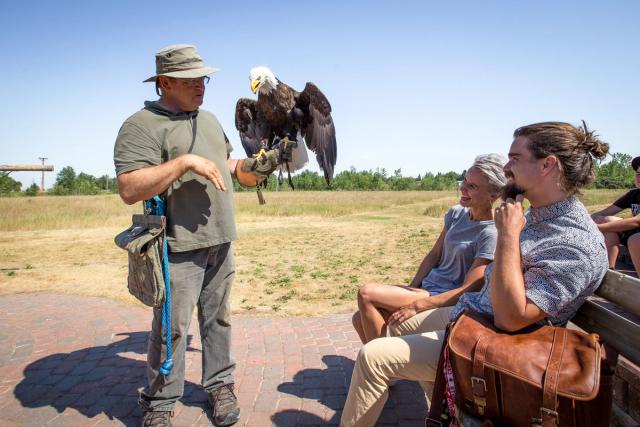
{"x": 143, "y": 242}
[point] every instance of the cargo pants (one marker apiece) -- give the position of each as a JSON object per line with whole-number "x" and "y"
{"x": 200, "y": 278}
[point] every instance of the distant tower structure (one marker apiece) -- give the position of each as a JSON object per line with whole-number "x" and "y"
{"x": 42, "y": 178}
{"x": 32, "y": 168}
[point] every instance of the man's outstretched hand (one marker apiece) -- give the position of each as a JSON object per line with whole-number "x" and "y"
{"x": 207, "y": 169}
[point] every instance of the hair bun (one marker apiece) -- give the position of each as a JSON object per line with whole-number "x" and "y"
{"x": 592, "y": 143}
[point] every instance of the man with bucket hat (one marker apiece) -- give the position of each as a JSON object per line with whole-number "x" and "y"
{"x": 174, "y": 149}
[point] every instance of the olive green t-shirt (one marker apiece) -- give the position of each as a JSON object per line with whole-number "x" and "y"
{"x": 198, "y": 215}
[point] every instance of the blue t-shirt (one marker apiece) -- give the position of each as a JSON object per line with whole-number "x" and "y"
{"x": 465, "y": 241}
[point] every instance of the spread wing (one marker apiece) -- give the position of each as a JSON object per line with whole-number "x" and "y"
{"x": 252, "y": 128}
{"x": 318, "y": 129}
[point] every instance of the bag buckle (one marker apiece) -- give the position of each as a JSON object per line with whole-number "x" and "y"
{"x": 478, "y": 380}
{"x": 551, "y": 412}
{"x": 537, "y": 422}
{"x": 479, "y": 399}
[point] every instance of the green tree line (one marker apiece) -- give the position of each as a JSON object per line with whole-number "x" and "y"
{"x": 616, "y": 173}
{"x": 67, "y": 183}
{"x": 353, "y": 180}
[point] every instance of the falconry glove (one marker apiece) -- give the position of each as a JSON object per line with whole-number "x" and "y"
{"x": 253, "y": 170}
{"x": 263, "y": 164}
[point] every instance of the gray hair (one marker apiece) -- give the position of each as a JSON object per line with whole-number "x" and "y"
{"x": 491, "y": 166}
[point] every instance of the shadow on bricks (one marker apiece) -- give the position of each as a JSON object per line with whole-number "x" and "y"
{"x": 101, "y": 379}
{"x": 328, "y": 388}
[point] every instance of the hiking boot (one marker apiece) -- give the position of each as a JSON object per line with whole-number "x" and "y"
{"x": 156, "y": 419}
{"x": 224, "y": 405}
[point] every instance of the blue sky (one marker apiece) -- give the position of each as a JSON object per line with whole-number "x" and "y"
{"x": 414, "y": 85}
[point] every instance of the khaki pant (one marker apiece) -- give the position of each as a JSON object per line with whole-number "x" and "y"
{"x": 412, "y": 356}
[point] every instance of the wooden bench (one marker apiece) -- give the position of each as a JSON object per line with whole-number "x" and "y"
{"x": 614, "y": 314}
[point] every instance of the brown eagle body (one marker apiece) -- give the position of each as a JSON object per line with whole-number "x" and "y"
{"x": 276, "y": 105}
{"x": 280, "y": 112}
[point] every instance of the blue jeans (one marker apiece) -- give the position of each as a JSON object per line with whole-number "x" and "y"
{"x": 202, "y": 278}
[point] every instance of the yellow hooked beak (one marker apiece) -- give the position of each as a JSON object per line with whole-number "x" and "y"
{"x": 255, "y": 85}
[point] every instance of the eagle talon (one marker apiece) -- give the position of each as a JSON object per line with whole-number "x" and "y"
{"x": 260, "y": 154}
{"x": 286, "y": 146}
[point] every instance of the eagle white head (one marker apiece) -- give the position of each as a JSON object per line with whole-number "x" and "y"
{"x": 262, "y": 80}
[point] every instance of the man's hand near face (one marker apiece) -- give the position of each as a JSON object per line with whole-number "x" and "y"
{"x": 509, "y": 218}
{"x": 511, "y": 307}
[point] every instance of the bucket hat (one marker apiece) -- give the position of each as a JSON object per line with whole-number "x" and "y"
{"x": 180, "y": 61}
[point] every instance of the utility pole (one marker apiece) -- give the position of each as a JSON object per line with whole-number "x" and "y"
{"x": 42, "y": 178}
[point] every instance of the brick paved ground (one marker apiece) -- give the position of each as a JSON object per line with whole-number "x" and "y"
{"x": 78, "y": 361}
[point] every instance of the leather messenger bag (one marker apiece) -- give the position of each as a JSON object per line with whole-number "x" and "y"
{"x": 541, "y": 376}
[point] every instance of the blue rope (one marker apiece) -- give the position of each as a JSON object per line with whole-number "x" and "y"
{"x": 157, "y": 207}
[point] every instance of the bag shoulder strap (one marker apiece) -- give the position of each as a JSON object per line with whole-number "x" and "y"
{"x": 548, "y": 413}
{"x": 478, "y": 381}
{"x": 437, "y": 397}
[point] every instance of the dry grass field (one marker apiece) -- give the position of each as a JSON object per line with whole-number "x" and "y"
{"x": 302, "y": 254}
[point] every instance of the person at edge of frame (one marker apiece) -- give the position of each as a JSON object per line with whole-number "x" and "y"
{"x": 622, "y": 232}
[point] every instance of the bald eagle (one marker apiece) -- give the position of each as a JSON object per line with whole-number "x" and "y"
{"x": 282, "y": 112}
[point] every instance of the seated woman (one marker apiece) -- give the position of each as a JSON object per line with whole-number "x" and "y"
{"x": 454, "y": 265}
{"x": 618, "y": 231}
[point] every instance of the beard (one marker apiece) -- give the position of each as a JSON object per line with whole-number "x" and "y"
{"x": 511, "y": 190}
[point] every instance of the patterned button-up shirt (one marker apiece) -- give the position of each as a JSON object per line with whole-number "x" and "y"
{"x": 563, "y": 259}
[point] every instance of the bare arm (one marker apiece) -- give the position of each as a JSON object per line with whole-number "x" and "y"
{"x": 145, "y": 183}
{"x": 473, "y": 281}
{"x": 620, "y": 225}
{"x": 511, "y": 308}
{"x": 608, "y": 211}
{"x": 430, "y": 260}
